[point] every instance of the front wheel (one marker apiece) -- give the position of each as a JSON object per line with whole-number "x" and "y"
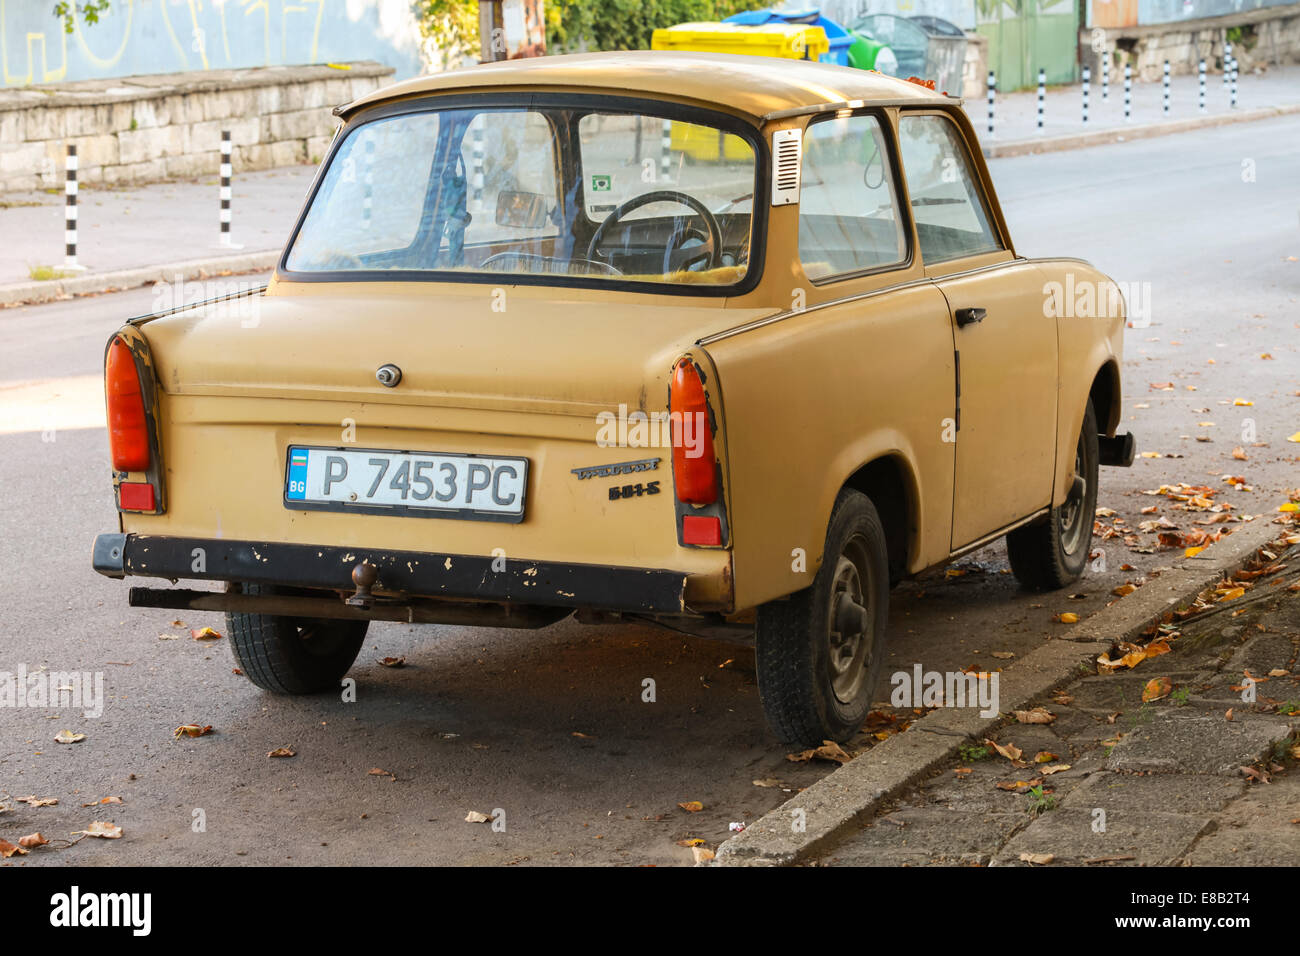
{"x": 818, "y": 653}
{"x": 288, "y": 655}
{"x": 1052, "y": 553}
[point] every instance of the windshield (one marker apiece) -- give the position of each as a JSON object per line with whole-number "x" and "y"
{"x": 594, "y": 193}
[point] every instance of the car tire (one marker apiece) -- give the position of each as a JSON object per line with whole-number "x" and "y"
{"x": 815, "y": 682}
{"x": 1052, "y": 553}
{"x": 289, "y": 655}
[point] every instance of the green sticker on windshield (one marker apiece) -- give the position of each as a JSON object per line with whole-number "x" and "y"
{"x": 601, "y": 183}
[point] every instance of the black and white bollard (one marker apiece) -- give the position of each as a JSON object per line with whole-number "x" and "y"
{"x": 1105, "y": 79}
{"x": 1128, "y": 92}
{"x": 993, "y": 85}
{"x": 1227, "y": 61}
{"x": 368, "y": 184}
{"x": 477, "y": 152}
{"x": 1042, "y": 92}
{"x": 1232, "y": 99}
{"x": 1087, "y": 82}
{"x": 227, "y": 170}
{"x": 666, "y": 150}
{"x": 1201, "y": 89}
{"x": 1165, "y": 95}
{"x": 70, "y": 211}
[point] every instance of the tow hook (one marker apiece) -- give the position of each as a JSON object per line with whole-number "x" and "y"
{"x": 364, "y": 577}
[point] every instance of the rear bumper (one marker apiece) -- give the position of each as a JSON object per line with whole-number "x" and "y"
{"x": 407, "y": 573}
{"x": 1118, "y": 451}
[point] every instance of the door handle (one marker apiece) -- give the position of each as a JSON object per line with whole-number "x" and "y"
{"x": 970, "y": 316}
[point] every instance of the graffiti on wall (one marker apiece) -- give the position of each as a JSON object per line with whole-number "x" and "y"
{"x": 169, "y": 36}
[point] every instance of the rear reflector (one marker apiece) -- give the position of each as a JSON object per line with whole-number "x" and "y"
{"x": 128, "y": 432}
{"x": 698, "y": 529}
{"x": 135, "y": 496}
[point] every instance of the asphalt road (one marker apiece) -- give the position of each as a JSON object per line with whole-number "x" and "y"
{"x": 549, "y": 726}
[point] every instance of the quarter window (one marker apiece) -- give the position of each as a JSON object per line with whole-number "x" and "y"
{"x": 848, "y": 209}
{"x": 951, "y": 220}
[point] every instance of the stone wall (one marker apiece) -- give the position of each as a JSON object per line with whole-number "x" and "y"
{"x": 1271, "y": 36}
{"x": 975, "y": 69}
{"x": 167, "y": 126}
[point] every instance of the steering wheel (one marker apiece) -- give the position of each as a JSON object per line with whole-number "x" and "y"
{"x": 676, "y": 258}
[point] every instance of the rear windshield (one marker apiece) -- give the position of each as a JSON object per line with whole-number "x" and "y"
{"x": 603, "y": 194}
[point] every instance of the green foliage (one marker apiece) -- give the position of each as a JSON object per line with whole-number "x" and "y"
{"x": 969, "y": 753}
{"x": 1039, "y": 802}
{"x": 451, "y": 26}
{"x": 1181, "y": 696}
{"x": 68, "y": 10}
{"x": 628, "y": 24}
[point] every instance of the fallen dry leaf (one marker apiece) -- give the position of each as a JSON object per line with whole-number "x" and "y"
{"x": 829, "y": 750}
{"x": 205, "y": 634}
{"x": 1035, "y": 715}
{"x": 1045, "y": 756}
{"x": 767, "y": 782}
{"x": 31, "y": 841}
{"x": 1156, "y": 688}
{"x": 1010, "y": 751}
{"x": 98, "y": 803}
{"x": 68, "y": 737}
{"x": 475, "y": 817}
{"x": 191, "y": 730}
{"x": 1054, "y": 768}
{"x": 39, "y": 801}
{"x": 104, "y": 829}
{"x": 702, "y": 854}
{"x": 282, "y": 752}
{"x": 1069, "y": 617}
{"x": 692, "y": 806}
{"x": 392, "y": 661}
{"x": 693, "y": 841}
{"x": 8, "y": 849}
{"x": 1038, "y": 859}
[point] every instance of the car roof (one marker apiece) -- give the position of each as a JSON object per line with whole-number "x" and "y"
{"x": 756, "y": 86}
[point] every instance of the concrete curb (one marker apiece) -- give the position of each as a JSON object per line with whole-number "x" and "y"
{"x": 1102, "y": 137}
{"x": 31, "y": 293}
{"x": 837, "y": 802}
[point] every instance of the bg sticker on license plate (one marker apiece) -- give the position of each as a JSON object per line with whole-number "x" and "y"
{"x": 412, "y": 484}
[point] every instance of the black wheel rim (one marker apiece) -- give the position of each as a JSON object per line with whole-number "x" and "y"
{"x": 1073, "y": 517}
{"x": 850, "y": 631}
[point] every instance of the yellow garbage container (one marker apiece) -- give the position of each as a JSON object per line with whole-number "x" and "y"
{"x": 791, "y": 41}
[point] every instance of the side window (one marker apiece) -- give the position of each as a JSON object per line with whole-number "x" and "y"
{"x": 507, "y": 151}
{"x": 950, "y": 217}
{"x": 848, "y": 209}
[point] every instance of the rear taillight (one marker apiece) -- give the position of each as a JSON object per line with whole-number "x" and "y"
{"x": 128, "y": 429}
{"x": 695, "y": 473}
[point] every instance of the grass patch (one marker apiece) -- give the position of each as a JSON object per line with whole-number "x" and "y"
{"x": 46, "y": 273}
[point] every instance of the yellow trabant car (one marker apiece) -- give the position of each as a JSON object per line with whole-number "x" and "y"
{"x": 519, "y": 360}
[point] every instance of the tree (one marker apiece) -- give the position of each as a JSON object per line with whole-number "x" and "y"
{"x": 69, "y": 10}
{"x": 450, "y": 27}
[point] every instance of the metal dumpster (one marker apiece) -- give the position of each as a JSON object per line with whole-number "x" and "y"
{"x": 928, "y": 47}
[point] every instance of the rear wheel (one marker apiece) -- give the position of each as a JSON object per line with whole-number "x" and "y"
{"x": 290, "y": 655}
{"x": 819, "y": 652}
{"x": 1052, "y": 553}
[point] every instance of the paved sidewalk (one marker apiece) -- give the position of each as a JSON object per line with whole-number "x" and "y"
{"x": 1196, "y": 777}
{"x": 1015, "y": 114}
{"x": 152, "y": 225}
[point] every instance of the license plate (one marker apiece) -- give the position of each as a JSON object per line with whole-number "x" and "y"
{"x": 422, "y": 484}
